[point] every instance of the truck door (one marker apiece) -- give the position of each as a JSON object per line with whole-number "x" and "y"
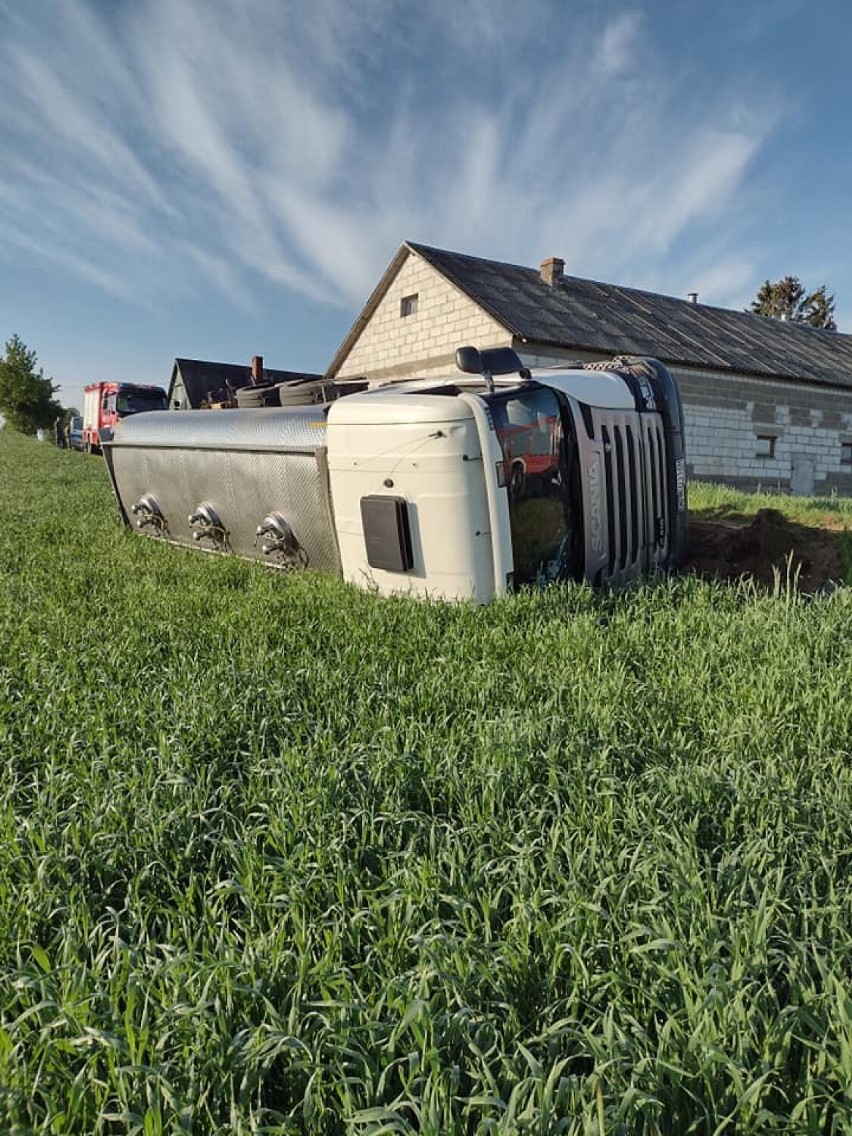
{"x": 537, "y": 440}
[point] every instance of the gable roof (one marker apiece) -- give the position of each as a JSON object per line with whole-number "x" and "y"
{"x": 201, "y": 378}
{"x": 587, "y": 315}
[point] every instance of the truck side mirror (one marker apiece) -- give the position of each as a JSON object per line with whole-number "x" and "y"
{"x": 469, "y": 360}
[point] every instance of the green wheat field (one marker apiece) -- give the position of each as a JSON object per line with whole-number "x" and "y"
{"x": 279, "y": 856}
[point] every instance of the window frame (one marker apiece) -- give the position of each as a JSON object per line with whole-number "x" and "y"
{"x": 771, "y": 441}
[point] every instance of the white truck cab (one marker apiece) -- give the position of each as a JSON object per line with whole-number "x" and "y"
{"x": 467, "y": 490}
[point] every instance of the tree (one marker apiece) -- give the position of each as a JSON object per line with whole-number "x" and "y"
{"x": 787, "y": 299}
{"x": 26, "y": 396}
{"x": 820, "y": 310}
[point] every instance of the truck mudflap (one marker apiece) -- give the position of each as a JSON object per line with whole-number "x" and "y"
{"x": 249, "y": 482}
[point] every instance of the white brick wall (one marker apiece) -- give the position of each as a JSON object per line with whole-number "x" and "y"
{"x": 423, "y": 343}
{"x": 725, "y": 413}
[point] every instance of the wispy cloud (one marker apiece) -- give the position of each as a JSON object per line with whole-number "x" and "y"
{"x": 155, "y": 147}
{"x": 75, "y": 265}
{"x": 616, "y": 52}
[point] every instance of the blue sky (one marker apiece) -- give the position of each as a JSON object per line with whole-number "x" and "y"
{"x": 222, "y": 178}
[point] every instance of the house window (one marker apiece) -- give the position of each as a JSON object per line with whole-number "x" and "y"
{"x": 408, "y": 305}
{"x": 765, "y": 445}
{"x": 846, "y": 453}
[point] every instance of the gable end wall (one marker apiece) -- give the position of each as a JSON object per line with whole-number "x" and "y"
{"x": 424, "y": 343}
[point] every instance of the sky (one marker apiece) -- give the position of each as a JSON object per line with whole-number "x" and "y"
{"x": 216, "y": 179}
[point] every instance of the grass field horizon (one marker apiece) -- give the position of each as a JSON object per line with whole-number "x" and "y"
{"x": 281, "y": 856}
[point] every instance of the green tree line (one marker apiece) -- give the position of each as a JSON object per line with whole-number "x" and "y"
{"x": 27, "y": 399}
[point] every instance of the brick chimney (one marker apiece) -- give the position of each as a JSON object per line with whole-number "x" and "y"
{"x": 257, "y": 369}
{"x": 551, "y": 270}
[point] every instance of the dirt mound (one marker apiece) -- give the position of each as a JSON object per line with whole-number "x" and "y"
{"x": 757, "y": 549}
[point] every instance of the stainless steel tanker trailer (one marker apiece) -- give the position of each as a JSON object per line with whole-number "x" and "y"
{"x": 462, "y": 487}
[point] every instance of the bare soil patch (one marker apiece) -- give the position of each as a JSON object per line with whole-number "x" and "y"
{"x": 736, "y": 548}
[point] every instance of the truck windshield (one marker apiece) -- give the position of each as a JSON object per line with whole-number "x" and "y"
{"x": 539, "y": 470}
{"x": 134, "y": 402}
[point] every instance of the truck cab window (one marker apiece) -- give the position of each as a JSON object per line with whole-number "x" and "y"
{"x": 538, "y": 471}
{"x": 137, "y": 401}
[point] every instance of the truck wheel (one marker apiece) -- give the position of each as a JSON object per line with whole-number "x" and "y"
{"x": 249, "y": 398}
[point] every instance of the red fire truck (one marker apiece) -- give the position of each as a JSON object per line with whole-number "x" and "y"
{"x": 106, "y": 403}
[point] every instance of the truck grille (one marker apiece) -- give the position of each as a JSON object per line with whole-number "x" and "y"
{"x": 635, "y": 494}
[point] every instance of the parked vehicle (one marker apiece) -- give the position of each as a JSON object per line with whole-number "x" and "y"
{"x": 74, "y": 432}
{"x": 413, "y": 486}
{"x": 105, "y": 404}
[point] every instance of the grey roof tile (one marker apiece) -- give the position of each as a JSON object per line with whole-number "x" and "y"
{"x": 590, "y": 315}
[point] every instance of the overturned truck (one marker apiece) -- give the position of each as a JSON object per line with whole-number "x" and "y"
{"x": 463, "y": 487}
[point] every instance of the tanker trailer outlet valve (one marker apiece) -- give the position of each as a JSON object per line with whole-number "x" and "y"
{"x": 205, "y": 525}
{"x": 281, "y": 547}
{"x": 149, "y": 514}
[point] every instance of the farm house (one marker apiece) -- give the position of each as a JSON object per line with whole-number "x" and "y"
{"x": 768, "y": 404}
